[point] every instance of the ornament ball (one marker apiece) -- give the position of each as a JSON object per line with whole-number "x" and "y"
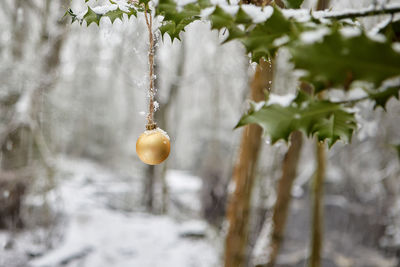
{"x": 153, "y": 146}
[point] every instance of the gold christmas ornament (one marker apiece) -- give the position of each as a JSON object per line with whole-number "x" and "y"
{"x": 153, "y": 146}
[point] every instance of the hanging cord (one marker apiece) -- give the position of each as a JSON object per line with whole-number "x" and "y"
{"x": 151, "y": 125}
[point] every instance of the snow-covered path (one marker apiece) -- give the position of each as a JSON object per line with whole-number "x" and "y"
{"x": 105, "y": 238}
{"x": 95, "y": 235}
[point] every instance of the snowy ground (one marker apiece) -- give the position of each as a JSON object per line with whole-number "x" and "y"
{"x": 95, "y": 235}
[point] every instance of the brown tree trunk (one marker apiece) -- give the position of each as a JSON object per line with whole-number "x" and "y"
{"x": 318, "y": 184}
{"x": 317, "y": 207}
{"x": 238, "y": 212}
{"x": 281, "y": 208}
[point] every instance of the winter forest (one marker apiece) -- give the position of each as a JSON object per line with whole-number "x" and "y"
{"x": 199, "y": 133}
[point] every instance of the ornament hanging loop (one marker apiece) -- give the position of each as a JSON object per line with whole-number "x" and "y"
{"x": 149, "y": 22}
{"x": 152, "y": 146}
{"x": 151, "y": 126}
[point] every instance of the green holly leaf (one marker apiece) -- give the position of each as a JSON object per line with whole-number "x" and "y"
{"x": 242, "y": 17}
{"x": 397, "y": 147}
{"x": 338, "y": 60}
{"x": 392, "y": 31}
{"x": 115, "y": 14}
{"x": 92, "y": 17}
{"x": 220, "y": 19}
{"x": 260, "y": 40}
{"x": 175, "y": 21}
{"x": 323, "y": 119}
{"x": 293, "y": 3}
{"x": 72, "y": 14}
{"x": 381, "y": 97}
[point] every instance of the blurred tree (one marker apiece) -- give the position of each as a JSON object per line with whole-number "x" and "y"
{"x": 238, "y": 212}
{"x": 22, "y": 136}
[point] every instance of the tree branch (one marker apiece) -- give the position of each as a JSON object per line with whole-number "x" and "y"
{"x": 367, "y": 12}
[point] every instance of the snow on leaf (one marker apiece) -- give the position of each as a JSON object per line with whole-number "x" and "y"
{"x": 339, "y": 60}
{"x": 323, "y": 119}
{"x": 293, "y": 3}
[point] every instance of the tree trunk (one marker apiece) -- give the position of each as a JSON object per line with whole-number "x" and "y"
{"x": 22, "y": 134}
{"x": 281, "y": 208}
{"x": 318, "y": 183}
{"x": 243, "y": 176}
{"x": 317, "y": 207}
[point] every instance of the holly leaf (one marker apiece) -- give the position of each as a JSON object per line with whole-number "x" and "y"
{"x": 392, "y": 31}
{"x": 175, "y": 21}
{"x": 260, "y": 40}
{"x": 323, "y": 119}
{"x": 381, "y": 97}
{"x": 118, "y": 14}
{"x": 293, "y": 3}
{"x": 220, "y": 19}
{"x": 397, "y": 147}
{"x": 338, "y": 60}
{"x": 91, "y": 17}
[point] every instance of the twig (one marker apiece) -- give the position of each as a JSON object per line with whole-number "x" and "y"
{"x": 359, "y": 13}
{"x": 352, "y": 101}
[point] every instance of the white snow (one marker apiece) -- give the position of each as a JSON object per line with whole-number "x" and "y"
{"x": 157, "y": 130}
{"x": 156, "y": 106}
{"x": 257, "y": 14}
{"x": 256, "y": 106}
{"x": 182, "y": 181}
{"x": 185, "y": 2}
{"x": 396, "y": 47}
{"x": 281, "y": 40}
{"x": 230, "y": 9}
{"x": 300, "y": 15}
{"x": 350, "y": 32}
{"x": 96, "y": 236}
{"x": 317, "y": 35}
{"x": 104, "y": 9}
{"x": 377, "y": 37}
{"x": 207, "y": 12}
{"x": 283, "y": 100}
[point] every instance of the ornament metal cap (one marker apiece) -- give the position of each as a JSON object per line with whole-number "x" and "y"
{"x": 151, "y": 126}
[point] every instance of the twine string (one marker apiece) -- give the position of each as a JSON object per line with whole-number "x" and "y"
{"x": 150, "y": 116}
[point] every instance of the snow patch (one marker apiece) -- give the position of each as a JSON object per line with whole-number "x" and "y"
{"x": 207, "y": 12}
{"x": 257, "y": 14}
{"x": 157, "y": 130}
{"x": 350, "y": 32}
{"x": 396, "y": 47}
{"x": 310, "y": 37}
{"x": 281, "y": 41}
{"x": 300, "y": 15}
{"x": 231, "y": 10}
{"x": 283, "y": 100}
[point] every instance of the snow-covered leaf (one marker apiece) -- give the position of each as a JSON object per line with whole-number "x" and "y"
{"x": 338, "y": 60}
{"x": 293, "y": 3}
{"x": 323, "y": 119}
{"x": 381, "y": 97}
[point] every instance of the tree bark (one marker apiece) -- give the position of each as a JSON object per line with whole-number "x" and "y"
{"x": 243, "y": 176}
{"x": 22, "y": 134}
{"x": 318, "y": 183}
{"x": 281, "y": 208}
{"x": 317, "y": 207}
